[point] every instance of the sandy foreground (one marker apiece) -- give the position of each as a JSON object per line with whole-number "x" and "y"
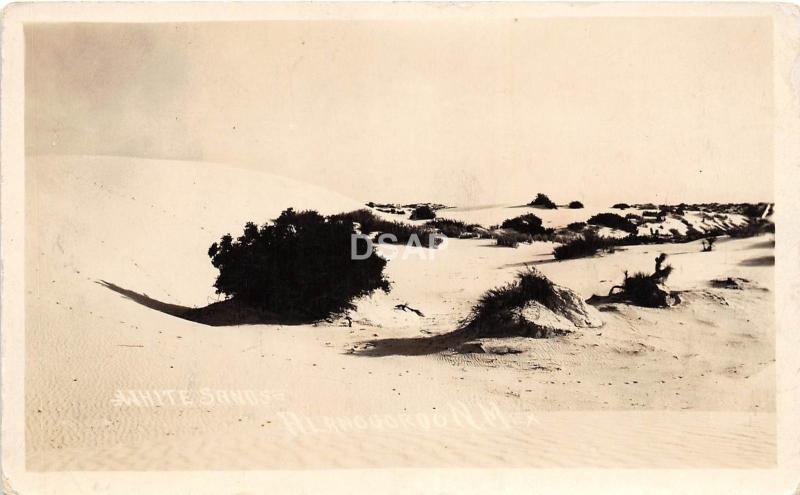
{"x": 112, "y": 382}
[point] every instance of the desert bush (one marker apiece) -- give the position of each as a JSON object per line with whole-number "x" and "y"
{"x": 588, "y": 245}
{"x": 708, "y": 243}
{"x": 753, "y": 210}
{"x": 300, "y": 265}
{"x": 621, "y": 206}
{"x": 575, "y": 205}
{"x": 691, "y": 232}
{"x": 613, "y": 221}
{"x": 453, "y": 228}
{"x": 551, "y": 235}
{"x": 423, "y": 212}
{"x": 525, "y": 224}
{"x": 369, "y": 223}
{"x": 542, "y": 201}
{"x": 752, "y": 228}
{"x": 633, "y": 217}
{"x": 640, "y": 288}
{"x": 643, "y": 289}
{"x": 576, "y": 226}
{"x": 636, "y": 240}
{"x": 506, "y": 240}
{"x": 511, "y": 238}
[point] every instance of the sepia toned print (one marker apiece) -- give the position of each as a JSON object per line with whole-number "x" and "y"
{"x": 433, "y": 242}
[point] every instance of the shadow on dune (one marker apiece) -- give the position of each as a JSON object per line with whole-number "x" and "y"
{"x": 523, "y": 264}
{"x": 760, "y": 261}
{"x": 416, "y": 346}
{"x": 219, "y": 314}
{"x": 763, "y": 244}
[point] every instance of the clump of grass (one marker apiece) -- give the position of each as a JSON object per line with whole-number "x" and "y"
{"x": 499, "y": 311}
{"x": 575, "y": 205}
{"x": 530, "y": 285}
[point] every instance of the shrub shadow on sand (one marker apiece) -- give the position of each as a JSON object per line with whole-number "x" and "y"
{"x": 219, "y": 314}
{"x": 416, "y": 346}
{"x": 770, "y": 243}
{"x": 760, "y": 261}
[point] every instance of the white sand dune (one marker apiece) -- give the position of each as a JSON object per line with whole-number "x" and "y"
{"x": 690, "y": 386}
{"x": 495, "y": 214}
{"x": 491, "y": 215}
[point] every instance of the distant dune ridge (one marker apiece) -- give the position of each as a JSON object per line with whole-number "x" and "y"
{"x": 116, "y": 249}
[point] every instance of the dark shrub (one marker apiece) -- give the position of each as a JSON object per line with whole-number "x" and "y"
{"x": 525, "y": 224}
{"x": 542, "y": 201}
{"x": 754, "y": 210}
{"x": 369, "y": 223}
{"x": 576, "y": 205}
{"x": 505, "y": 239}
{"x": 588, "y": 245}
{"x": 621, "y": 206}
{"x": 645, "y": 290}
{"x": 301, "y": 264}
{"x": 551, "y": 235}
{"x": 642, "y": 290}
{"x": 633, "y": 217}
{"x": 511, "y": 238}
{"x": 613, "y": 221}
{"x": 423, "y": 212}
{"x": 708, "y": 244}
{"x": 576, "y": 226}
{"x": 454, "y": 228}
{"x": 636, "y": 240}
{"x": 753, "y": 227}
{"x": 691, "y": 232}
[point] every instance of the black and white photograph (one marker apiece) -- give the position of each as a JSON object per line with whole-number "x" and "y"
{"x": 406, "y": 237}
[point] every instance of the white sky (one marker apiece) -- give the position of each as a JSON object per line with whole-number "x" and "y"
{"x": 468, "y": 112}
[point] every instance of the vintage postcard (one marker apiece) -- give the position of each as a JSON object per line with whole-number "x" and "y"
{"x": 400, "y": 248}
